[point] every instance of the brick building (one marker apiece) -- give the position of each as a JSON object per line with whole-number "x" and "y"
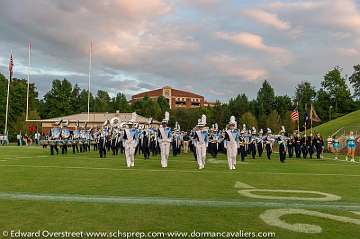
{"x": 176, "y": 98}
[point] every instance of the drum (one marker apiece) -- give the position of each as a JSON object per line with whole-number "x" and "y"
{"x": 65, "y": 133}
{"x": 55, "y": 133}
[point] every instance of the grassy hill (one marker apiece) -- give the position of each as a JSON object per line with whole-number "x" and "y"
{"x": 347, "y": 122}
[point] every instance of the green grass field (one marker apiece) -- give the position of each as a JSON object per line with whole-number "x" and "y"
{"x": 348, "y": 122}
{"x": 85, "y": 193}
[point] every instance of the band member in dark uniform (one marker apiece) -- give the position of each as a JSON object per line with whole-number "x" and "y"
{"x": 260, "y": 143}
{"x": 252, "y": 143}
{"x": 268, "y": 144}
{"x": 282, "y": 149}
{"x": 297, "y": 140}
{"x": 145, "y": 144}
{"x": 319, "y": 145}
{"x": 304, "y": 149}
{"x": 242, "y": 146}
{"x": 310, "y": 146}
{"x": 101, "y": 144}
{"x": 213, "y": 141}
{"x": 290, "y": 146}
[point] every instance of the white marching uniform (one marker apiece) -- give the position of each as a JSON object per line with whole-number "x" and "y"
{"x": 231, "y": 144}
{"x": 202, "y": 141}
{"x": 164, "y": 138}
{"x": 130, "y": 143}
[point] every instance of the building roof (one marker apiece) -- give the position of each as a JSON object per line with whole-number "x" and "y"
{"x": 100, "y": 117}
{"x": 150, "y": 93}
{"x": 182, "y": 93}
{"x": 174, "y": 92}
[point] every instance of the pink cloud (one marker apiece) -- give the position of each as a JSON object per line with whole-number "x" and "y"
{"x": 236, "y": 67}
{"x": 282, "y": 56}
{"x": 296, "y": 5}
{"x": 347, "y": 51}
{"x": 267, "y": 18}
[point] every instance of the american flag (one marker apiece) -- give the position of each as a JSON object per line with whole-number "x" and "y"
{"x": 11, "y": 65}
{"x": 295, "y": 115}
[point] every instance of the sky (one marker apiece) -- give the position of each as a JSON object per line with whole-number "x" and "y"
{"x": 217, "y": 48}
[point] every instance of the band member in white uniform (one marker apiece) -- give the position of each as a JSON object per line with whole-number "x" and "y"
{"x": 231, "y": 142}
{"x": 130, "y": 138}
{"x": 165, "y": 138}
{"x": 202, "y": 140}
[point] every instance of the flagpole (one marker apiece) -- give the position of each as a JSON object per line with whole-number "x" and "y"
{"x": 7, "y": 100}
{"x": 28, "y": 83}
{"x": 305, "y": 121}
{"x": 311, "y": 118}
{"x": 298, "y": 121}
{"x": 90, "y": 71}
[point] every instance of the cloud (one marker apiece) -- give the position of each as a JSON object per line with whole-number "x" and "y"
{"x": 331, "y": 13}
{"x": 296, "y": 5}
{"x": 267, "y": 18}
{"x": 206, "y": 46}
{"x": 242, "y": 68}
{"x": 253, "y": 41}
{"x": 347, "y": 51}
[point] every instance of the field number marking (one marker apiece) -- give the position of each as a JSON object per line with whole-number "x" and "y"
{"x": 249, "y": 191}
{"x": 273, "y": 218}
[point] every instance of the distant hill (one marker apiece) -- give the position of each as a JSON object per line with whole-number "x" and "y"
{"x": 342, "y": 124}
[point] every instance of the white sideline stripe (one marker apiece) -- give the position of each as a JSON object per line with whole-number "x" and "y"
{"x": 174, "y": 170}
{"x": 171, "y": 201}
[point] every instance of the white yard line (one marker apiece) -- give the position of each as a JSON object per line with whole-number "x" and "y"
{"x": 174, "y": 201}
{"x": 175, "y": 170}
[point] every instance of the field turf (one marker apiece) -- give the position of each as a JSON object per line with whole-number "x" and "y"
{"x": 85, "y": 193}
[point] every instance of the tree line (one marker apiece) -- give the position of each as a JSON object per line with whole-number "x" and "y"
{"x": 267, "y": 110}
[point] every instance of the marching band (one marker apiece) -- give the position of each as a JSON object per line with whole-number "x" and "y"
{"x": 130, "y": 138}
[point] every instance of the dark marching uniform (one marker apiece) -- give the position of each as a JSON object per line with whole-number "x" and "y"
{"x": 297, "y": 146}
{"x": 282, "y": 150}
{"x": 213, "y": 144}
{"x": 145, "y": 145}
{"x": 310, "y": 146}
{"x": 290, "y": 146}
{"x": 268, "y": 148}
{"x": 242, "y": 148}
{"x": 252, "y": 146}
{"x": 102, "y": 146}
{"x": 260, "y": 147}
{"x": 318, "y": 142}
{"x": 304, "y": 148}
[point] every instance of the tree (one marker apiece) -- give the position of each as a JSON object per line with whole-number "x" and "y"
{"x": 75, "y": 99}
{"x": 355, "y": 81}
{"x": 265, "y": 103}
{"x": 239, "y": 105}
{"x": 266, "y": 98}
{"x": 219, "y": 114}
{"x": 58, "y": 101}
{"x": 283, "y": 104}
{"x": 148, "y": 108}
{"x": 120, "y": 103}
{"x": 273, "y": 121}
{"x": 83, "y": 102}
{"x": 335, "y": 86}
{"x": 304, "y": 96}
{"x": 17, "y": 103}
{"x": 102, "y": 102}
{"x": 322, "y": 106}
{"x": 164, "y": 104}
{"x": 249, "y": 119}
